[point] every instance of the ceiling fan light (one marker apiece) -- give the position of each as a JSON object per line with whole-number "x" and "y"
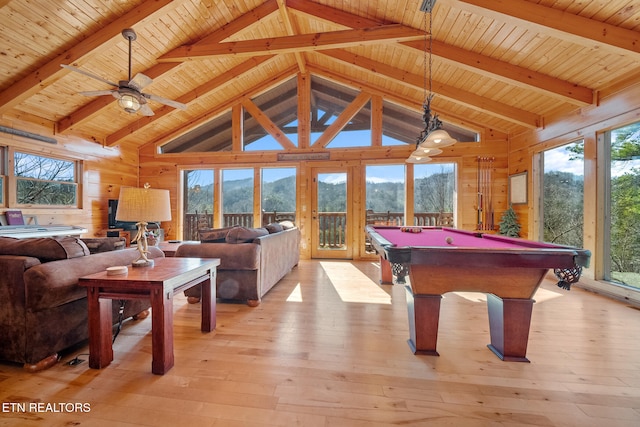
{"x": 129, "y": 103}
{"x": 438, "y": 138}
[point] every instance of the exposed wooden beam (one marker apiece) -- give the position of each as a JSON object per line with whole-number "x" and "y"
{"x": 284, "y": 14}
{"x": 475, "y": 62}
{"x": 522, "y": 77}
{"x": 410, "y": 103}
{"x": 570, "y": 27}
{"x": 51, "y": 71}
{"x": 341, "y": 121}
{"x": 89, "y": 110}
{"x": 392, "y": 33}
{"x": 267, "y": 124}
{"x": 471, "y": 100}
{"x": 223, "y": 106}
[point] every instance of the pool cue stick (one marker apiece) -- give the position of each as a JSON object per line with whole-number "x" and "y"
{"x": 491, "y": 224}
{"x": 479, "y": 208}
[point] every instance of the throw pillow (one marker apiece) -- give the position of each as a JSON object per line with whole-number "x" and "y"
{"x": 104, "y": 244}
{"x": 286, "y": 225}
{"x": 274, "y": 228}
{"x": 44, "y": 248}
{"x": 244, "y": 235}
{"x": 213, "y": 235}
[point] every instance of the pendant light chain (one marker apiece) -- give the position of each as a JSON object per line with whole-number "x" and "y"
{"x": 424, "y": 61}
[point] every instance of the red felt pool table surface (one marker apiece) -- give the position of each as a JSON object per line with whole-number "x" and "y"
{"x": 509, "y": 269}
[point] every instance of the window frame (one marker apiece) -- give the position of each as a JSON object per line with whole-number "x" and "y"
{"x": 12, "y": 180}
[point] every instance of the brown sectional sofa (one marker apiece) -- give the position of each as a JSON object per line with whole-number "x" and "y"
{"x": 252, "y": 261}
{"x": 42, "y": 309}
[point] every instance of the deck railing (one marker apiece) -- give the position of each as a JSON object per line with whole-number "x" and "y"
{"x": 332, "y": 225}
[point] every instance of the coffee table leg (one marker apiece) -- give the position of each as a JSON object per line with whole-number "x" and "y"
{"x": 161, "y": 331}
{"x": 100, "y": 327}
{"x": 208, "y": 301}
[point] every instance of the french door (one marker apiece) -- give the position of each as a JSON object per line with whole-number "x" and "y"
{"x": 331, "y": 216}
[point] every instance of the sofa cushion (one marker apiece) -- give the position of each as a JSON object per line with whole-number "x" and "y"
{"x": 213, "y": 235}
{"x": 104, "y": 244}
{"x": 244, "y": 234}
{"x": 44, "y": 248}
{"x": 287, "y": 225}
{"x": 274, "y": 227}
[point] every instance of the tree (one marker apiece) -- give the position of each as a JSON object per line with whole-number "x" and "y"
{"x": 509, "y": 225}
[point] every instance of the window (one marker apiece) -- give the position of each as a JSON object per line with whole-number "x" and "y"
{"x": 278, "y": 200}
{"x": 280, "y": 106}
{"x": 434, "y": 194}
{"x": 45, "y": 181}
{"x": 215, "y": 135}
{"x": 198, "y": 202}
{"x": 385, "y": 196}
{"x": 237, "y": 197}
{"x": 622, "y": 245}
{"x": 563, "y": 193}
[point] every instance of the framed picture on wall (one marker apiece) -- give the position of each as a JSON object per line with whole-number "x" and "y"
{"x": 518, "y": 189}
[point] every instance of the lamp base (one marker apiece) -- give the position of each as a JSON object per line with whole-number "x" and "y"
{"x": 142, "y": 263}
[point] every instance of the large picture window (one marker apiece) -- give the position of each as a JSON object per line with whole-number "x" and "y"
{"x": 563, "y": 195}
{"x": 622, "y": 247}
{"x": 237, "y": 197}
{"x": 278, "y": 195}
{"x": 45, "y": 181}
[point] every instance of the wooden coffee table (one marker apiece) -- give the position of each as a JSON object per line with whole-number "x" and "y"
{"x": 159, "y": 283}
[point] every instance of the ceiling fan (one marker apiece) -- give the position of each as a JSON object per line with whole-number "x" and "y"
{"x": 129, "y": 92}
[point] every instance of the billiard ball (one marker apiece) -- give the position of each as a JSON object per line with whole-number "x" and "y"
{"x": 449, "y": 240}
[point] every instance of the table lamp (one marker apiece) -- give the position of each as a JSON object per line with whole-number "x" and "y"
{"x": 143, "y": 205}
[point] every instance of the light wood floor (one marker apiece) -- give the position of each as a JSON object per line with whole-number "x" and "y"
{"x": 327, "y": 347}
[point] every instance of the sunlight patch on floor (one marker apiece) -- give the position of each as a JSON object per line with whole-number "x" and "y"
{"x": 471, "y": 296}
{"x": 546, "y": 294}
{"x": 296, "y": 294}
{"x": 540, "y": 295}
{"x": 352, "y": 285}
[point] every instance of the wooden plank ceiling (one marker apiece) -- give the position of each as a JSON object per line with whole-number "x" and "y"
{"x": 499, "y": 65}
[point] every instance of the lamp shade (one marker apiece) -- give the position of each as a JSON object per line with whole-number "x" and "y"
{"x": 426, "y": 151}
{"x": 418, "y": 158}
{"x": 143, "y": 204}
{"x": 437, "y": 139}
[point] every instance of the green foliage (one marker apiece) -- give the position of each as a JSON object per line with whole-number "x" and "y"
{"x": 563, "y": 208}
{"x": 509, "y": 225}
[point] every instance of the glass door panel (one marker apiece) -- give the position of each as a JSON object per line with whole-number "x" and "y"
{"x": 330, "y": 215}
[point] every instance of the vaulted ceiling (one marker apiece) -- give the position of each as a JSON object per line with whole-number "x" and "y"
{"x": 504, "y": 66}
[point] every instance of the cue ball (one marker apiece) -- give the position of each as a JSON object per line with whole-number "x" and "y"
{"x": 449, "y": 240}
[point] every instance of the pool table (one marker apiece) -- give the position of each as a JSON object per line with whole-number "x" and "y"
{"x": 440, "y": 260}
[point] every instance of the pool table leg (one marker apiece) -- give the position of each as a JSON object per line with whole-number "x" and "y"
{"x": 386, "y": 275}
{"x": 424, "y": 315}
{"x": 509, "y": 324}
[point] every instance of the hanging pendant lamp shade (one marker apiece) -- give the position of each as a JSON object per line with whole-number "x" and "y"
{"x": 438, "y": 138}
{"x": 418, "y": 158}
{"x": 426, "y": 151}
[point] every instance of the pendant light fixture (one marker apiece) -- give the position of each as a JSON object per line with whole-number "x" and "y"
{"x": 432, "y": 137}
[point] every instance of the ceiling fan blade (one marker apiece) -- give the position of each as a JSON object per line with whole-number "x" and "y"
{"x": 96, "y": 92}
{"x": 165, "y": 101}
{"x": 88, "y": 74}
{"x": 139, "y": 81}
{"x": 145, "y": 110}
